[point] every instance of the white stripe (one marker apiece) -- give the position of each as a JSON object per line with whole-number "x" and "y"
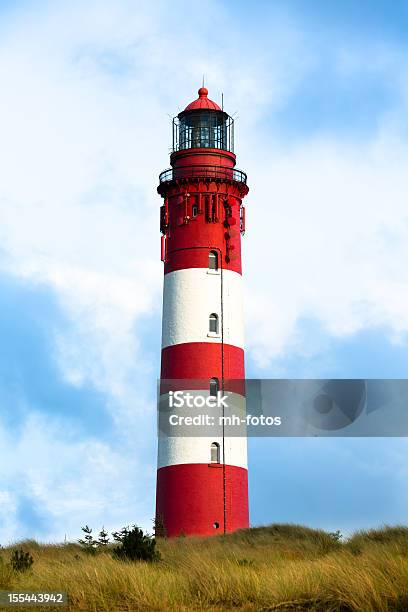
{"x": 191, "y": 295}
{"x": 174, "y": 451}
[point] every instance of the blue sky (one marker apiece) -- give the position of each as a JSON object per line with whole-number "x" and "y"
{"x": 320, "y": 90}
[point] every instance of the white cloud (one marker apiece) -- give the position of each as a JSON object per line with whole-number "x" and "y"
{"x": 333, "y": 243}
{"x": 69, "y": 482}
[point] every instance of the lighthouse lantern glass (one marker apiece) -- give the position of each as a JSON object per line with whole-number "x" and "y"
{"x": 203, "y": 129}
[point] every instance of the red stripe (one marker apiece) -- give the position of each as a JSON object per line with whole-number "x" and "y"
{"x": 202, "y": 360}
{"x": 188, "y": 245}
{"x": 190, "y": 498}
{"x": 198, "y": 362}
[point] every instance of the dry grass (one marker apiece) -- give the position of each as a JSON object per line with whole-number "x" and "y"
{"x": 280, "y": 567}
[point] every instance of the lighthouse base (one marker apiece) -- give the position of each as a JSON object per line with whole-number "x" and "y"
{"x": 202, "y": 499}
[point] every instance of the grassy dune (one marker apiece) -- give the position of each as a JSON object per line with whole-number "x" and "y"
{"x": 280, "y": 567}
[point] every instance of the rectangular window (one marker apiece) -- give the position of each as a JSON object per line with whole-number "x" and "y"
{"x": 215, "y": 452}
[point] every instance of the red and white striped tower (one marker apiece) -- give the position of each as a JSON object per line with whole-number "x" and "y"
{"x": 202, "y": 484}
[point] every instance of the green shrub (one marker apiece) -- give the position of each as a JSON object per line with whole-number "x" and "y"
{"x": 103, "y": 539}
{"x": 21, "y": 561}
{"x": 88, "y": 543}
{"x": 336, "y": 536}
{"x": 134, "y": 545}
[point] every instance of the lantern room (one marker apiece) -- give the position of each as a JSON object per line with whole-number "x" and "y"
{"x": 203, "y": 124}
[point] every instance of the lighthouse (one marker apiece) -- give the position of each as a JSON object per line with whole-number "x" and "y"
{"x": 202, "y": 481}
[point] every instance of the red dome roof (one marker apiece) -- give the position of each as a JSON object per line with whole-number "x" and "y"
{"x": 202, "y": 102}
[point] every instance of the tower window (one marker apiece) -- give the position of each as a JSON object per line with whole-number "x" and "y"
{"x": 214, "y": 387}
{"x": 213, "y": 260}
{"x": 194, "y": 210}
{"x": 213, "y": 323}
{"x": 215, "y": 452}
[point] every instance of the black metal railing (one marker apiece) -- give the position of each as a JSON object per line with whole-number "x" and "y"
{"x": 212, "y": 172}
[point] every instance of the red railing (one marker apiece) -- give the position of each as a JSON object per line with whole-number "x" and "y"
{"x": 216, "y": 172}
